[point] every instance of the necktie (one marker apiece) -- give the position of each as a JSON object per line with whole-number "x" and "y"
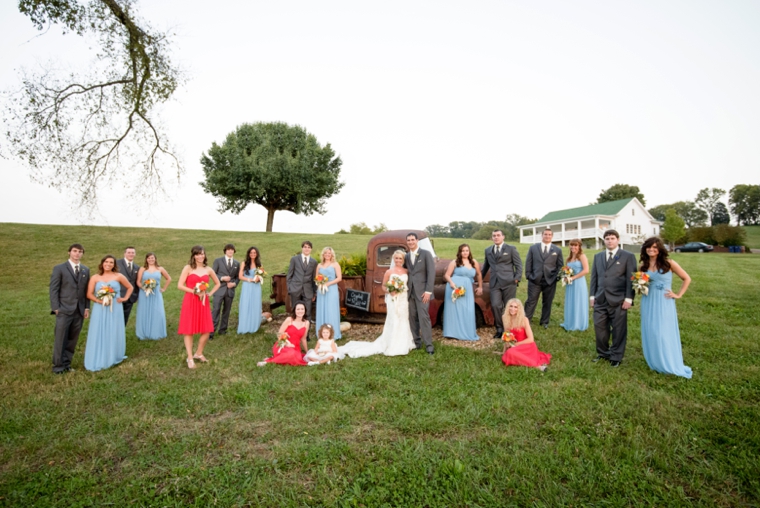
{"x": 76, "y": 272}
{"x": 546, "y": 249}
{"x": 305, "y": 263}
{"x": 229, "y": 264}
{"x": 609, "y": 257}
{"x": 411, "y": 257}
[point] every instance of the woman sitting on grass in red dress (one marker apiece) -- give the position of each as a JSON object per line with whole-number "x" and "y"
{"x": 291, "y": 339}
{"x": 523, "y": 350}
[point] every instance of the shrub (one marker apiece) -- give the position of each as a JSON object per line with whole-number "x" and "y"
{"x": 355, "y": 264}
{"x": 702, "y": 234}
{"x": 729, "y": 236}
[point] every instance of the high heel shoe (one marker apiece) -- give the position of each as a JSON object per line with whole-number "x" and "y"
{"x": 190, "y": 363}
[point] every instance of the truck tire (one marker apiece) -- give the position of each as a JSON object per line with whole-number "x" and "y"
{"x": 480, "y": 321}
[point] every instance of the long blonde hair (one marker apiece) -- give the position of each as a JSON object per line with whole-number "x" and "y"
{"x": 322, "y": 255}
{"x": 517, "y": 321}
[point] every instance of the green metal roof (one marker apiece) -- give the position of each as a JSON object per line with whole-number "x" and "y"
{"x": 608, "y": 208}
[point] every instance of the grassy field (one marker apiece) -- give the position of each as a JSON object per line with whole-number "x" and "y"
{"x": 456, "y": 429}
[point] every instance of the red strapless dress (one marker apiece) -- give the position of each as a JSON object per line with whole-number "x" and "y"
{"x": 289, "y": 355}
{"x": 194, "y": 316}
{"x": 527, "y": 355}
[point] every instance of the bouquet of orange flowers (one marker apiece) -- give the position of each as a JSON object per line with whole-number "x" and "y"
{"x": 148, "y": 286}
{"x": 640, "y": 283}
{"x": 106, "y": 294}
{"x": 321, "y": 280}
{"x": 258, "y": 275}
{"x": 200, "y": 290}
{"x": 565, "y": 275}
{"x": 458, "y": 292}
{"x": 282, "y": 341}
{"x": 509, "y": 339}
{"x": 395, "y": 285}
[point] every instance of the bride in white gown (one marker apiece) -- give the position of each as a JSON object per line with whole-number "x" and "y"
{"x": 397, "y": 334}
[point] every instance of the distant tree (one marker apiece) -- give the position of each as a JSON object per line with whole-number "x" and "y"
{"x": 277, "y": 166}
{"x": 438, "y": 231}
{"x": 707, "y": 199}
{"x": 463, "y": 229}
{"x": 620, "y": 191}
{"x": 729, "y": 236}
{"x": 687, "y": 210}
{"x": 99, "y": 128}
{"x": 720, "y": 214}
{"x": 360, "y": 228}
{"x": 673, "y": 231}
{"x": 744, "y": 201}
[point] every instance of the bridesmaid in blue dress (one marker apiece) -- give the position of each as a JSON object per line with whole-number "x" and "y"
{"x": 660, "y": 336}
{"x": 459, "y": 316}
{"x": 249, "y": 314}
{"x": 106, "y": 338}
{"x": 328, "y": 303}
{"x": 151, "y": 317}
{"x": 576, "y": 294}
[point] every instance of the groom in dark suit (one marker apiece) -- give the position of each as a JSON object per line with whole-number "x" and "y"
{"x": 129, "y": 269}
{"x": 421, "y": 266}
{"x": 611, "y": 296}
{"x": 69, "y": 303}
{"x": 228, "y": 270}
{"x": 541, "y": 269}
{"x": 506, "y": 271}
{"x": 301, "y": 273}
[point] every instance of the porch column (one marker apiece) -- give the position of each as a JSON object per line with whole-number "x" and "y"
{"x": 534, "y": 235}
{"x": 563, "y": 234}
{"x": 596, "y": 233}
{"x": 580, "y": 232}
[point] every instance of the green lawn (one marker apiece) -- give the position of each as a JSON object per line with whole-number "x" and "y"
{"x": 456, "y": 429}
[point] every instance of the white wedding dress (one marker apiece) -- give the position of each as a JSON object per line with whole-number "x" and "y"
{"x": 397, "y": 334}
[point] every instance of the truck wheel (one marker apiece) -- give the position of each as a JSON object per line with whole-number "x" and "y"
{"x": 480, "y": 321}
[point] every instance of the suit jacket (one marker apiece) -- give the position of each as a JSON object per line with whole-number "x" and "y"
{"x": 421, "y": 273}
{"x": 131, "y": 277}
{"x": 505, "y": 265}
{"x": 612, "y": 284}
{"x": 222, "y": 270}
{"x": 302, "y": 277}
{"x": 537, "y": 264}
{"x": 67, "y": 294}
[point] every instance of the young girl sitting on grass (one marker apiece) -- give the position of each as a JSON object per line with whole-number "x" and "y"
{"x": 326, "y": 351}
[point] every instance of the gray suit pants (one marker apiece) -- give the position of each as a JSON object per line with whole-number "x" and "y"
{"x": 220, "y": 321}
{"x": 67, "y": 329}
{"x": 547, "y": 297}
{"x": 610, "y": 320}
{"x": 499, "y": 299}
{"x": 419, "y": 320}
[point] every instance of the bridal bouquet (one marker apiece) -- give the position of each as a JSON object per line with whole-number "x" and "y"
{"x": 282, "y": 341}
{"x": 321, "y": 280}
{"x": 259, "y": 274}
{"x": 148, "y": 286}
{"x": 395, "y": 285}
{"x": 640, "y": 283}
{"x": 565, "y": 275}
{"x": 458, "y": 292}
{"x": 509, "y": 338}
{"x": 107, "y": 295}
{"x": 200, "y": 290}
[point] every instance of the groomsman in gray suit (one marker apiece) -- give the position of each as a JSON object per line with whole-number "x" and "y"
{"x": 300, "y": 278}
{"x": 228, "y": 271}
{"x": 541, "y": 269}
{"x": 69, "y": 303}
{"x": 611, "y": 295}
{"x": 421, "y": 267}
{"x": 506, "y": 271}
{"x": 129, "y": 269}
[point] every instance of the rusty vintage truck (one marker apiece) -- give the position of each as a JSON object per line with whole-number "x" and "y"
{"x": 380, "y": 250}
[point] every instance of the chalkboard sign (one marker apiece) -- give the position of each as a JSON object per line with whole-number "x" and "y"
{"x": 357, "y": 299}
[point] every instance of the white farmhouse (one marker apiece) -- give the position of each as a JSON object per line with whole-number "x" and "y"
{"x": 588, "y": 223}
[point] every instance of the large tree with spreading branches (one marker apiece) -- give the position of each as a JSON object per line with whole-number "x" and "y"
{"x": 79, "y": 132}
{"x": 275, "y": 165}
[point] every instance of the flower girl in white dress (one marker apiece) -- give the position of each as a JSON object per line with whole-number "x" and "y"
{"x": 326, "y": 351}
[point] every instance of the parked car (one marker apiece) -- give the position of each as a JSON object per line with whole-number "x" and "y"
{"x": 694, "y": 247}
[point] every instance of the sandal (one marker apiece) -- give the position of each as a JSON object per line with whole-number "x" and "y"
{"x": 190, "y": 363}
{"x": 201, "y": 358}
{"x": 261, "y": 364}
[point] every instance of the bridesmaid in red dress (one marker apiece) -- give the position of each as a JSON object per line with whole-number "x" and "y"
{"x": 524, "y": 351}
{"x": 195, "y": 315}
{"x": 297, "y": 329}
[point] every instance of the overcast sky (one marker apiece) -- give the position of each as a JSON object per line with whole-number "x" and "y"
{"x": 472, "y": 110}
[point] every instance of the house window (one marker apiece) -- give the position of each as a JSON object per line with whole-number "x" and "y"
{"x": 633, "y": 211}
{"x": 633, "y": 229}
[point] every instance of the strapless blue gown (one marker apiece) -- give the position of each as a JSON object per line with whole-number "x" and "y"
{"x": 660, "y": 336}
{"x": 106, "y": 338}
{"x": 151, "y": 317}
{"x": 576, "y": 301}
{"x": 459, "y": 316}
{"x": 249, "y": 309}
{"x": 328, "y": 304}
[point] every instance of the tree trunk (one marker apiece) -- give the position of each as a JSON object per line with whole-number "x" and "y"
{"x": 270, "y": 218}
